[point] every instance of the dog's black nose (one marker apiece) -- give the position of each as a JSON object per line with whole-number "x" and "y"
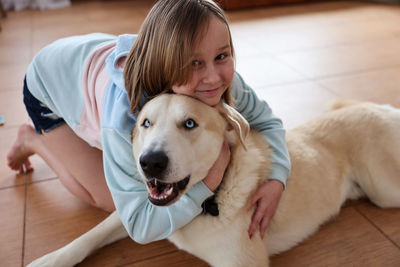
{"x": 153, "y": 163}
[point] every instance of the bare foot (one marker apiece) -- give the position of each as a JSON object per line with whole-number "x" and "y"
{"x": 18, "y": 156}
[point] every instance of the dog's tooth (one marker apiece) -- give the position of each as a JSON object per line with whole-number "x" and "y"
{"x": 155, "y": 182}
{"x": 148, "y": 188}
{"x": 169, "y": 192}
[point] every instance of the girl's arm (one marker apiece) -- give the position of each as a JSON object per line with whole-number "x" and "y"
{"x": 260, "y": 116}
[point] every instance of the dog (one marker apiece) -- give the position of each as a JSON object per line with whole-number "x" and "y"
{"x": 350, "y": 152}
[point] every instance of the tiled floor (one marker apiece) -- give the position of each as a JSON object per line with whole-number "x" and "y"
{"x": 298, "y": 57}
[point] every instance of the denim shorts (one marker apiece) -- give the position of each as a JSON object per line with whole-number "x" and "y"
{"x": 42, "y": 117}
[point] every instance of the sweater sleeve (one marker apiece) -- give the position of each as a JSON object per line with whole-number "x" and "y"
{"x": 259, "y": 115}
{"x": 144, "y": 221}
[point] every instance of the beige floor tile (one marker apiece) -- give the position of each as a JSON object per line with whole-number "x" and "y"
{"x": 14, "y": 53}
{"x": 58, "y": 16}
{"x": 381, "y": 11}
{"x": 121, "y": 13}
{"x": 380, "y": 86}
{"x": 117, "y": 27}
{"x": 54, "y": 217}
{"x": 15, "y": 45}
{"x": 385, "y": 219}
{"x": 16, "y": 28}
{"x": 41, "y": 172}
{"x": 10, "y": 178}
{"x": 244, "y": 49}
{"x": 316, "y": 27}
{"x": 12, "y": 108}
{"x": 43, "y": 37}
{"x": 306, "y": 14}
{"x": 176, "y": 259}
{"x": 11, "y": 223}
{"x": 297, "y": 103}
{"x": 12, "y": 77}
{"x": 344, "y": 59}
{"x": 108, "y": 9}
{"x": 349, "y": 240}
{"x": 126, "y": 252}
{"x": 119, "y": 21}
{"x": 264, "y": 70}
{"x": 69, "y": 21}
{"x": 297, "y": 38}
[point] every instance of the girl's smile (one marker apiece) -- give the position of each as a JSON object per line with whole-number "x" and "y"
{"x": 210, "y": 93}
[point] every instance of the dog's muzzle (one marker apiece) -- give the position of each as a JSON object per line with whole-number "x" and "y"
{"x": 154, "y": 165}
{"x": 163, "y": 194}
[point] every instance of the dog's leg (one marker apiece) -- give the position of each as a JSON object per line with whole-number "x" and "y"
{"x": 382, "y": 185}
{"x": 380, "y": 176}
{"x": 106, "y": 232}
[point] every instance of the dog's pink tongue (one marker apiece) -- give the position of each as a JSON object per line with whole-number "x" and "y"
{"x": 164, "y": 194}
{"x": 160, "y": 190}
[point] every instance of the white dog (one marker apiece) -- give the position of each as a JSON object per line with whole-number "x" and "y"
{"x": 350, "y": 152}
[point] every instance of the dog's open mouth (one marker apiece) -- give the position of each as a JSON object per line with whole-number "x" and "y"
{"x": 161, "y": 194}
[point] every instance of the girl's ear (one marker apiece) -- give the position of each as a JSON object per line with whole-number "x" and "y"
{"x": 120, "y": 64}
{"x": 235, "y": 120}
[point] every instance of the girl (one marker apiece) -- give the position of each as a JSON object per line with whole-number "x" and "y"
{"x": 83, "y": 94}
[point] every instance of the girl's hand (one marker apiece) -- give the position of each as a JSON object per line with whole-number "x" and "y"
{"x": 216, "y": 173}
{"x": 267, "y": 199}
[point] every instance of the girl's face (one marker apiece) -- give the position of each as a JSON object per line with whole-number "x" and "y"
{"x": 213, "y": 66}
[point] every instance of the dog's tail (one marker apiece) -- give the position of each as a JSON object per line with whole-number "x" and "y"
{"x": 341, "y": 103}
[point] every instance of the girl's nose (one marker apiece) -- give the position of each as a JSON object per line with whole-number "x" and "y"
{"x": 211, "y": 75}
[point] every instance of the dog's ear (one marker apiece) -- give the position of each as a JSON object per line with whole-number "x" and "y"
{"x": 235, "y": 120}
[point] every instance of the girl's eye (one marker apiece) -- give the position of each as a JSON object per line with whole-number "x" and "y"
{"x": 190, "y": 124}
{"x": 221, "y": 56}
{"x": 146, "y": 123}
{"x": 196, "y": 63}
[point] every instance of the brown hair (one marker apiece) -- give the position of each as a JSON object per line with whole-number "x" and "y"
{"x": 160, "y": 56}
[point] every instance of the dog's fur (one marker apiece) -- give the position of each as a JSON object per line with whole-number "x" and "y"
{"x": 348, "y": 153}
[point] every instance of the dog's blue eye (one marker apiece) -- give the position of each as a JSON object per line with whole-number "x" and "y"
{"x": 190, "y": 124}
{"x": 146, "y": 123}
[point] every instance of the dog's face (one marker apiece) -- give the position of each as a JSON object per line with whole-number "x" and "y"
{"x": 175, "y": 142}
